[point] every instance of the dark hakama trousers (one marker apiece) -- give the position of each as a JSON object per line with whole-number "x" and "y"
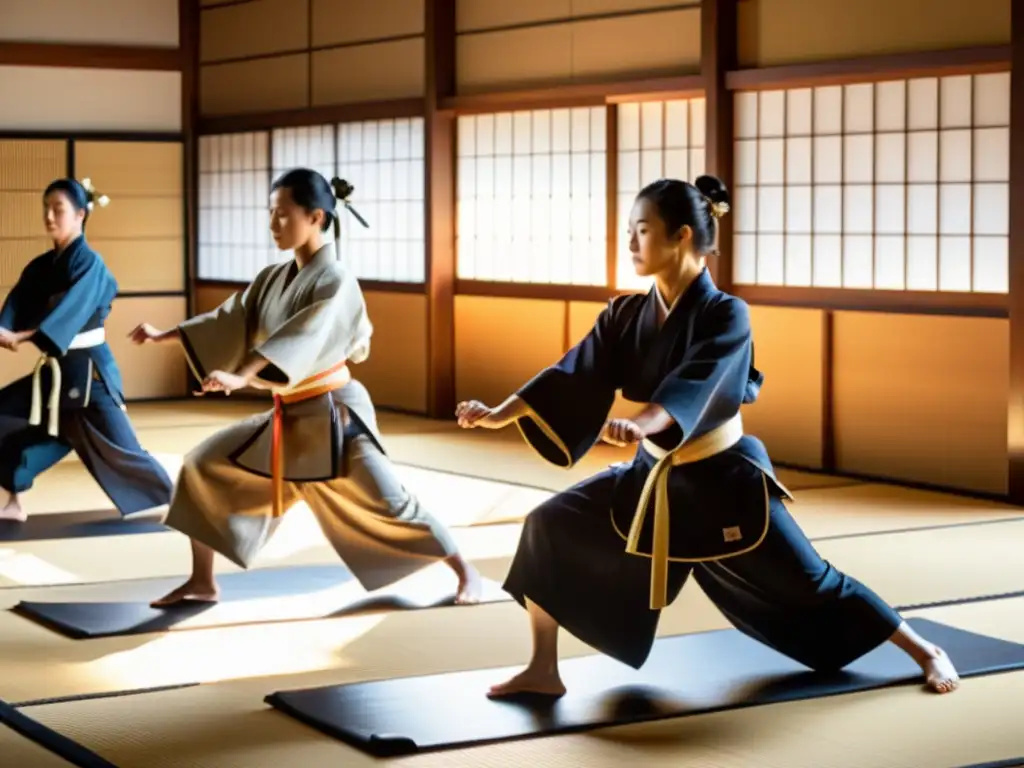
{"x": 572, "y": 563}
{"x": 100, "y": 434}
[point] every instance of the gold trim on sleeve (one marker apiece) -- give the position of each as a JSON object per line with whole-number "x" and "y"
{"x": 549, "y": 433}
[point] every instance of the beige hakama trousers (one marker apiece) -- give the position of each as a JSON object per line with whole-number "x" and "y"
{"x": 380, "y": 530}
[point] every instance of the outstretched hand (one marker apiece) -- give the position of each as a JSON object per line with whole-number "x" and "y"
{"x": 222, "y": 381}
{"x": 9, "y": 340}
{"x": 145, "y": 333}
{"x": 621, "y": 432}
{"x": 473, "y": 413}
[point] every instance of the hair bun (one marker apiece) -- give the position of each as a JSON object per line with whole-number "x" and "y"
{"x": 715, "y": 193}
{"x": 342, "y": 189}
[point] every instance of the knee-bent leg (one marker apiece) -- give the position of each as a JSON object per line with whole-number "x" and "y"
{"x": 572, "y": 563}
{"x": 786, "y": 595}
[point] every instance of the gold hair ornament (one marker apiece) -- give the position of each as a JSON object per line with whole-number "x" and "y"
{"x": 93, "y": 197}
{"x": 718, "y": 210}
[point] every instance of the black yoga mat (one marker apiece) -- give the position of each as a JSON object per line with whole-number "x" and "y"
{"x": 49, "y": 739}
{"x": 259, "y": 596}
{"x": 78, "y": 525}
{"x": 685, "y": 675}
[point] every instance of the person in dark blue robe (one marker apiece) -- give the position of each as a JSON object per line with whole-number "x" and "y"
{"x": 603, "y": 558}
{"x": 74, "y": 399}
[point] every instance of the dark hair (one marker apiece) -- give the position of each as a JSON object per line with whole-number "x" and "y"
{"x": 697, "y": 206}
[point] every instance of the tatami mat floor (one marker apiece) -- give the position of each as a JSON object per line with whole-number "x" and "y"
{"x": 913, "y": 547}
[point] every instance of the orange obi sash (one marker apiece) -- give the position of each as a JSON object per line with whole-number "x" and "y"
{"x": 306, "y": 389}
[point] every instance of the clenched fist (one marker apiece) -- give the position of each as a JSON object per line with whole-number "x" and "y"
{"x": 621, "y": 432}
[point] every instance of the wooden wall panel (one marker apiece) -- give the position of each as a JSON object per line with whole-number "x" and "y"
{"x": 651, "y": 43}
{"x": 595, "y": 7}
{"x": 396, "y": 371}
{"x": 631, "y": 45}
{"x": 377, "y": 54}
{"x": 26, "y": 168}
{"x": 151, "y": 23}
{"x": 775, "y": 32}
{"x": 486, "y": 14}
{"x": 350, "y": 21}
{"x": 500, "y": 344}
{"x": 494, "y": 60}
{"x": 788, "y": 415}
{"x": 376, "y": 72}
{"x": 255, "y": 28}
{"x": 141, "y": 233}
{"x": 152, "y": 370}
{"x": 60, "y": 99}
{"x": 226, "y": 89}
{"x": 210, "y": 297}
{"x": 922, "y": 398}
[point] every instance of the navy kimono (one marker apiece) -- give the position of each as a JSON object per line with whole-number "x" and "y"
{"x": 591, "y": 556}
{"x": 66, "y": 297}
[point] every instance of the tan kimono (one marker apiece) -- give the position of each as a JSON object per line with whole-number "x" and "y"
{"x": 308, "y": 324}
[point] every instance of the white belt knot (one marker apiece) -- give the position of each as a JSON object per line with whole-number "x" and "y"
{"x": 85, "y": 340}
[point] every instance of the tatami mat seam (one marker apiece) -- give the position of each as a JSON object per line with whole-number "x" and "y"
{"x": 101, "y": 695}
{"x": 54, "y": 741}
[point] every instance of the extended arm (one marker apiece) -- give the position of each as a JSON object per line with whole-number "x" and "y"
{"x": 561, "y": 412}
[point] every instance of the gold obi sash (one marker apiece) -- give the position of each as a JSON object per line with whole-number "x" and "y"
{"x": 84, "y": 340}
{"x": 718, "y": 440}
{"x": 333, "y": 378}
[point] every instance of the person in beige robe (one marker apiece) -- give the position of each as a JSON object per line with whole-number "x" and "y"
{"x": 295, "y": 330}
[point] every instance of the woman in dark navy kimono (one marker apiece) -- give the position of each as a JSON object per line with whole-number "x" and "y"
{"x": 594, "y": 559}
{"x": 59, "y": 305}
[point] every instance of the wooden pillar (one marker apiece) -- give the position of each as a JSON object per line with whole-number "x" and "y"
{"x": 439, "y": 220}
{"x": 1015, "y": 299}
{"x": 718, "y": 56}
{"x": 188, "y": 42}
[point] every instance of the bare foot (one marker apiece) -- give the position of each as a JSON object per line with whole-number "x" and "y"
{"x": 193, "y": 591}
{"x": 530, "y": 680}
{"x": 939, "y": 673}
{"x": 13, "y": 511}
{"x": 471, "y": 585}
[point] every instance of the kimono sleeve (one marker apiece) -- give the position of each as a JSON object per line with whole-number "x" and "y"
{"x": 91, "y": 287}
{"x": 334, "y": 318}
{"x": 218, "y": 340}
{"x": 569, "y": 402}
{"x": 714, "y": 378}
{"x": 12, "y": 307}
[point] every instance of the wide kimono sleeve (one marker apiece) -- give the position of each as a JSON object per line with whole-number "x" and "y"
{"x": 91, "y": 287}
{"x": 332, "y": 328}
{"x": 218, "y": 340}
{"x": 569, "y": 402}
{"x": 715, "y": 375}
{"x": 12, "y": 306}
